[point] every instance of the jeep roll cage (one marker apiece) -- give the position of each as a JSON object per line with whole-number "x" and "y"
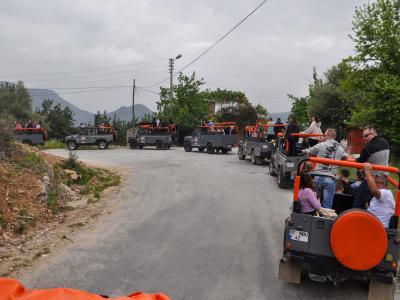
{"x": 349, "y": 164}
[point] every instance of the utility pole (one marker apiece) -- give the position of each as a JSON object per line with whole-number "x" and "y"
{"x": 171, "y": 69}
{"x": 133, "y": 104}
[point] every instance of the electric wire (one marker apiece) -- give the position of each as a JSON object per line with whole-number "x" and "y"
{"x": 87, "y": 70}
{"x": 213, "y": 45}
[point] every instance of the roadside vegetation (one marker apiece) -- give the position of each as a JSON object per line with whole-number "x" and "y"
{"x": 364, "y": 88}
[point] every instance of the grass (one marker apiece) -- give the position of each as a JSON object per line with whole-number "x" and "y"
{"x": 3, "y": 221}
{"x": 92, "y": 180}
{"x": 52, "y": 201}
{"x": 52, "y": 144}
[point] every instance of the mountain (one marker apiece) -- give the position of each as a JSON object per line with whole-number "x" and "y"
{"x": 125, "y": 113}
{"x": 82, "y": 116}
{"x": 283, "y": 115}
{"x": 39, "y": 95}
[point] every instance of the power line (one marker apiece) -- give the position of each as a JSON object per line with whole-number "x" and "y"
{"x": 82, "y": 92}
{"x": 97, "y": 75}
{"x": 213, "y": 45}
{"x": 146, "y": 90}
{"x": 87, "y": 70}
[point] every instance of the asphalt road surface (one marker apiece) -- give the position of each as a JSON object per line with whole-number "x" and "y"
{"x": 192, "y": 225}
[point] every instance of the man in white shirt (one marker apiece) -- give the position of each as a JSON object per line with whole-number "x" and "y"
{"x": 382, "y": 204}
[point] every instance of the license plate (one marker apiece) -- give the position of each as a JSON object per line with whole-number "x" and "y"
{"x": 297, "y": 235}
{"x": 289, "y": 164}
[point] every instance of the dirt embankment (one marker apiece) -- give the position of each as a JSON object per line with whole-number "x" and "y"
{"x": 43, "y": 199}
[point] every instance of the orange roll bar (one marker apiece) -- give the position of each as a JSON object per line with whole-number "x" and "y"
{"x": 351, "y": 164}
{"x": 296, "y": 188}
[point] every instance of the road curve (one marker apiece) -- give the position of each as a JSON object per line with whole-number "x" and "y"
{"x": 192, "y": 225}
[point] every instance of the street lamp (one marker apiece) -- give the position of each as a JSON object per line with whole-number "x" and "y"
{"x": 171, "y": 68}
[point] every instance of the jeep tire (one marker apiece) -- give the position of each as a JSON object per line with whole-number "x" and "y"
{"x": 188, "y": 147}
{"x": 102, "y": 144}
{"x": 133, "y": 144}
{"x": 160, "y": 145}
{"x": 72, "y": 145}
{"x": 210, "y": 148}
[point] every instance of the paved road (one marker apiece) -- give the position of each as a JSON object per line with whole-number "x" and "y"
{"x": 192, "y": 225}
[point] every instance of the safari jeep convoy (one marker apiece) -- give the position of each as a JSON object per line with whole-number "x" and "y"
{"x": 102, "y": 136}
{"x": 148, "y": 135}
{"x": 219, "y": 137}
{"x": 352, "y": 243}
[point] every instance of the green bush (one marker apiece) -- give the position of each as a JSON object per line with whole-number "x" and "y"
{"x": 52, "y": 144}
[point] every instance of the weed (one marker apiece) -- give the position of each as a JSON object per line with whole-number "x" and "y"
{"x": 21, "y": 227}
{"x": 52, "y": 144}
{"x": 52, "y": 201}
{"x": 3, "y": 221}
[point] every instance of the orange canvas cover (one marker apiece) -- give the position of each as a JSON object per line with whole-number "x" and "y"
{"x": 11, "y": 289}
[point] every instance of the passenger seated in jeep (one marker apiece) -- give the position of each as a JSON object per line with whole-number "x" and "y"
{"x": 309, "y": 203}
{"x": 382, "y": 204}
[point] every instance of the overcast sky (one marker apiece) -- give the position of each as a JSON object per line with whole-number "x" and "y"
{"x": 58, "y": 44}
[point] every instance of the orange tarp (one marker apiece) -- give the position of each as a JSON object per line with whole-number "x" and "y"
{"x": 11, "y": 289}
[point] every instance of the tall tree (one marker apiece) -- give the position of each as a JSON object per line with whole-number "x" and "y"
{"x": 15, "y": 101}
{"x": 327, "y": 100}
{"x": 299, "y": 109}
{"x": 374, "y": 84}
{"x": 261, "y": 112}
{"x": 58, "y": 121}
{"x": 188, "y": 106}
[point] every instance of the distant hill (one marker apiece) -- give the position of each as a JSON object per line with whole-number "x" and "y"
{"x": 82, "y": 116}
{"x": 283, "y": 115}
{"x": 125, "y": 113}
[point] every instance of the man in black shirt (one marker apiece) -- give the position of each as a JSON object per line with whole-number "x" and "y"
{"x": 376, "y": 151}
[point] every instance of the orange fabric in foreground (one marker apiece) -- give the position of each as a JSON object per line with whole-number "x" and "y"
{"x": 358, "y": 240}
{"x": 11, "y": 289}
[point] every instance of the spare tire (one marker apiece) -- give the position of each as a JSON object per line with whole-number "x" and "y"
{"x": 358, "y": 240}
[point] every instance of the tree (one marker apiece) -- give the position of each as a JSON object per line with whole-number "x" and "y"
{"x": 374, "y": 84}
{"x": 58, "y": 122}
{"x": 147, "y": 118}
{"x": 327, "y": 100}
{"x": 299, "y": 109}
{"x": 101, "y": 119}
{"x": 188, "y": 107}
{"x": 15, "y": 101}
{"x": 262, "y": 113}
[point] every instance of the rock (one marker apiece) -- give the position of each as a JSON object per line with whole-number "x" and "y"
{"x": 66, "y": 194}
{"x": 73, "y": 174}
{"x": 44, "y": 188}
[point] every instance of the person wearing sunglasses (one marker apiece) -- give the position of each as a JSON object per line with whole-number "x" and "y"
{"x": 376, "y": 151}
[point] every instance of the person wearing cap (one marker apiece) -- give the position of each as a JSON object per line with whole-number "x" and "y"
{"x": 382, "y": 204}
{"x": 325, "y": 175}
{"x": 376, "y": 151}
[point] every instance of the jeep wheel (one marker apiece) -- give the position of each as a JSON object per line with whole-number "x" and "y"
{"x": 160, "y": 145}
{"x": 201, "y": 149}
{"x": 253, "y": 157}
{"x": 188, "y": 147}
{"x": 241, "y": 156}
{"x": 210, "y": 148}
{"x": 72, "y": 145}
{"x": 271, "y": 168}
{"x": 281, "y": 178}
{"x": 103, "y": 145}
{"x": 133, "y": 144}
